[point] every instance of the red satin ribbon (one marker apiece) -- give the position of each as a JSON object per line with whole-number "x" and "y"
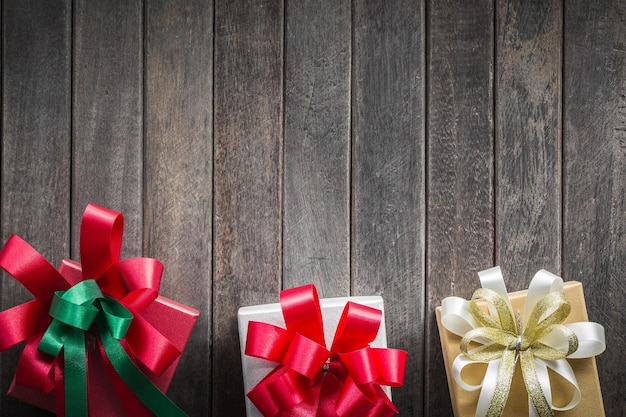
{"x": 134, "y": 282}
{"x": 311, "y": 380}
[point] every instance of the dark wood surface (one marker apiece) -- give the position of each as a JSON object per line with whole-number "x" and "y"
{"x": 247, "y": 199}
{"x": 594, "y": 175}
{"x": 369, "y": 147}
{"x": 36, "y": 142}
{"x": 178, "y": 192}
{"x": 389, "y": 175}
{"x": 317, "y": 151}
{"x": 460, "y": 214}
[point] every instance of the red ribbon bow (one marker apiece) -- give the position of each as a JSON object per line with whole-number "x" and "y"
{"x": 133, "y": 282}
{"x": 311, "y": 380}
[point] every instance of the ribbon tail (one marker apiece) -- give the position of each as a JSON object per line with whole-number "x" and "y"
{"x": 500, "y": 392}
{"x": 327, "y": 397}
{"x": 533, "y": 386}
{"x": 564, "y": 369}
{"x": 75, "y": 374}
{"x": 146, "y": 391}
{"x": 544, "y": 382}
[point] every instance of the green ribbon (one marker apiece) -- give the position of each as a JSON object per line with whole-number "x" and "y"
{"x": 74, "y": 311}
{"x": 511, "y": 344}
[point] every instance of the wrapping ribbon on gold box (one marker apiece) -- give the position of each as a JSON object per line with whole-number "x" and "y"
{"x": 495, "y": 334}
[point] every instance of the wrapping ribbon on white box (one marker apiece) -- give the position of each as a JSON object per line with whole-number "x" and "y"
{"x": 287, "y": 365}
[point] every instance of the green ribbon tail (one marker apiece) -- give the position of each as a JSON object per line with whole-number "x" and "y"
{"x": 75, "y": 369}
{"x": 142, "y": 387}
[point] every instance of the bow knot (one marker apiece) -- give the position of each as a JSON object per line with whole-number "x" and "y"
{"x": 519, "y": 344}
{"x": 75, "y": 310}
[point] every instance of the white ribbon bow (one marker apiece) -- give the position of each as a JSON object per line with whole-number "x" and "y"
{"x": 457, "y": 318}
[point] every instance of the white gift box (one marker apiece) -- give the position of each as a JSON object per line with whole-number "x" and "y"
{"x": 255, "y": 369}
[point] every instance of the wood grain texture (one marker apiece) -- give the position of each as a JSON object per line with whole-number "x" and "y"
{"x": 107, "y": 116}
{"x": 35, "y": 177}
{"x": 388, "y": 197}
{"x": 317, "y": 146}
{"x": 178, "y": 190}
{"x": 595, "y": 176}
{"x": 528, "y": 139}
{"x": 412, "y": 143}
{"x": 248, "y": 169}
{"x": 460, "y": 217}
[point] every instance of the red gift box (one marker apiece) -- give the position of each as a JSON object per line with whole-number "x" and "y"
{"x": 172, "y": 319}
{"x": 153, "y": 339}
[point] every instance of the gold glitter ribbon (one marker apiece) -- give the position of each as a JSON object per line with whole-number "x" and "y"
{"x": 508, "y": 342}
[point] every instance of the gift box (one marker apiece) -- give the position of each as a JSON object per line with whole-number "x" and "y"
{"x": 345, "y": 324}
{"x": 100, "y": 340}
{"x": 561, "y": 389}
{"x": 175, "y": 321}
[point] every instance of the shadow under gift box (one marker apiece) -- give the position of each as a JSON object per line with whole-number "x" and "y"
{"x": 464, "y": 402}
{"x": 175, "y": 321}
{"x": 255, "y": 369}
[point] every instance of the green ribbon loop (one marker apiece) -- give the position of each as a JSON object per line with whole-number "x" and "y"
{"x": 74, "y": 311}
{"x": 116, "y": 317}
{"x": 510, "y": 344}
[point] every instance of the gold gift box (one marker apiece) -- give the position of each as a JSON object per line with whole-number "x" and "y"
{"x": 464, "y": 402}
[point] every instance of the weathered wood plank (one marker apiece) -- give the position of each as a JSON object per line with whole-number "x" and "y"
{"x": 388, "y": 199}
{"x": 460, "y": 168}
{"x": 248, "y": 87}
{"x": 356, "y": 215}
{"x": 594, "y": 225}
{"x": 528, "y": 139}
{"x": 178, "y": 173}
{"x": 317, "y": 146}
{"x": 35, "y": 178}
{"x": 108, "y": 115}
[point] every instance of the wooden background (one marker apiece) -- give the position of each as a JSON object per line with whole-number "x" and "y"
{"x": 370, "y": 147}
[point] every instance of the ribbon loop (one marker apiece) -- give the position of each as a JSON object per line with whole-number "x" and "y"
{"x": 71, "y": 309}
{"x": 116, "y": 317}
{"x": 74, "y": 315}
{"x": 305, "y": 356}
{"x": 357, "y": 327}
